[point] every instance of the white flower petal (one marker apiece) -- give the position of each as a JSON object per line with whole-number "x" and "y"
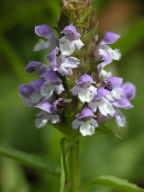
{"x": 59, "y": 89}
{"x": 106, "y": 108}
{"x": 115, "y": 54}
{"x": 66, "y": 47}
{"x": 78, "y": 44}
{"x": 120, "y": 119}
{"x": 42, "y": 44}
{"x": 116, "y": 93}
{"x": 71, "y": 62}
{"x": 104, "y": 74}
{"x": 47, "y": 90}
{"x": 87, "y": 94}
{"x": 87, "y": 129}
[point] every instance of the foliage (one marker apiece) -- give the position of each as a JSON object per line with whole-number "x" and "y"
{"x": 100, "y": 154}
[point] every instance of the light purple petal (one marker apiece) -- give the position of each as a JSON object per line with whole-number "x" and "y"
{"x": 128, "y": 90}
{"x": 116, "y": 82}
{"x": 101, "y": 92}
{"x": 71, "y": 32}
{"x": 86, "y": 112}
{"x": 52, "y": 57}
{"x": 123, "y": 103}
{"x": 45, "y": 106}
{"x": 37, "y": 84}
{"x": 25, "y": 90}
{"x": 109, "y": 38}
{"x": 85, "y": 79}
{"x": 76, "y": 124}
{"x": 44, "y": 68}
{"x": 75, "y": 90}
{"x": 33, "y": 66}
{"x": 43, "y": 31}
{"x": 51, "y": 75}
{"x": 106, "y": 59}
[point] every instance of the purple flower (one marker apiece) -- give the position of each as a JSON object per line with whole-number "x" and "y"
{"x": 84, "y": 89}
{"x": 71, "y": 41}
{"x": 122, "y": 94}
{"x": 105, "y": 53}
{"x": 123, "y": 103}
{"x": 112, "y": 82}
{"x": 45, "y": 106}
{"x": 44, "y": 117}
{"x": 53, "y": 84}
{"x": 33, "y": 66}
{"x": 31, "y": 92}
{"x": 71, "y": 32}
{"x": 37, "y": 84}
{"x": 62, "y": 64}
{"x": 86, "y": 112}
{"x": 104, "y": 106}
{"x": 67, "y": 47}
{"x": 45, "y": 31}
{"x": 85, "y": 122}
{"x": 25, "y": 90}
{"x": 109, "y": 38}
{"x": 52, "y": 57}
{"x": 51, "y": 76}
{"x": 49, "y": 112}
{"x": 128, "y": 90}
{"x": 85, "y": 80}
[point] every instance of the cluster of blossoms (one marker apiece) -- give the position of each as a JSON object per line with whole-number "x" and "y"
{"x": 100, "y": 96}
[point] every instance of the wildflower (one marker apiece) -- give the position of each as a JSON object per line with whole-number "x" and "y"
{"x": 31, "y": 92}
{"x": 85, "y": 122}
{"x": 102, "y": 96}
{"x": 84, "y": 89}
{"x": 53, "y": 84}
{"x": 62, "y": 64}
{"x": 101, "y": 103}
{"x": 50, "y": 41}
{"x": 33, "y": 66}
{"x": 71, "y": 41}
{"x": 105, "y": 53}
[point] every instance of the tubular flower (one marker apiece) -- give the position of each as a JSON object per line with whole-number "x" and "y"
{"x": 97, "y": 95}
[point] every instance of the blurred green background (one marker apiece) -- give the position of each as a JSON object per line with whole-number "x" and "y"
{"x": 99, "y": 154}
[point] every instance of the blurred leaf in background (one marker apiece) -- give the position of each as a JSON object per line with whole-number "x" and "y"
{"x": 99, "y": 154}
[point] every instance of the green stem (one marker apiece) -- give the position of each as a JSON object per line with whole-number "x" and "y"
{"x": 74, "y": 167}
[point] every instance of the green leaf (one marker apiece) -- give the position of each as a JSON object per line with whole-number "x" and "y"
{"x": 102, "y": 129}
{"x": 114, "y": 182}
{"x": 13, "y": 58}
{"x": 30, "y": 160}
